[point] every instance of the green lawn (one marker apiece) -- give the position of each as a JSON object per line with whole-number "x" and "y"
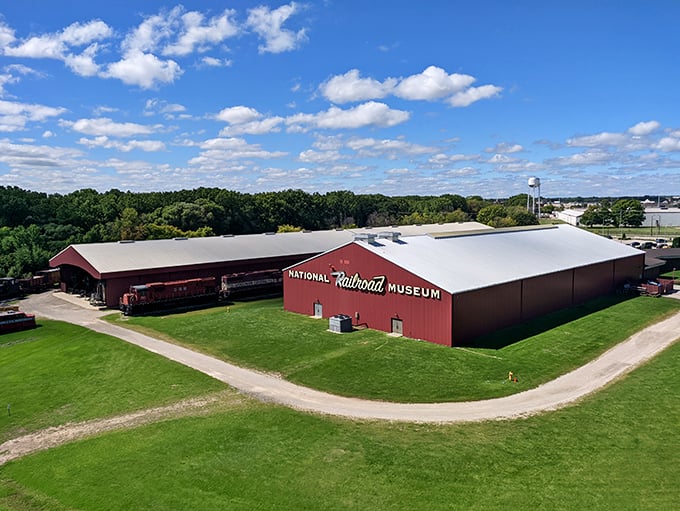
{"x": 371, "y": 364}
{"x": 619, "y": 449}
{"x": 59, "y": 372}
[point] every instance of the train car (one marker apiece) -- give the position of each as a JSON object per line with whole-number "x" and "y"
{"x": 251, "y": 284}
{"x": 154, "y": 296}
{"x": 33, "y": 284}
{"x": 52, "y": 277}
{"x": 9, "y": 288}
{"x": 15, "y": 320}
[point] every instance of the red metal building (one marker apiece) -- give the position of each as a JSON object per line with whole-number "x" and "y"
{"x": 449, "y": 289}
{"x": 107, "y": 270}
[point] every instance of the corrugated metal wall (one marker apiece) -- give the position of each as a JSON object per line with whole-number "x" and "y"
{"x": 485, "y": 310}
{"x": 421, "y": 317}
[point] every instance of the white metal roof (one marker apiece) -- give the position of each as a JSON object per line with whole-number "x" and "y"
{"x": 472, "y": 261}
{"x": 109, "y": 258}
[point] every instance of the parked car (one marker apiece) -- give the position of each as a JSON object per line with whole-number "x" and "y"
{"x": 635, "y": 244}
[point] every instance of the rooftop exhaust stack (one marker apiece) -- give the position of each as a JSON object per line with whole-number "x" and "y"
{"x": 365, "y": 237}
{"x": 389, "y": 235}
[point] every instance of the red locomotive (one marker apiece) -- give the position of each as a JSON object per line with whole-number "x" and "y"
{"x": 15, "y": 320}
{"x": 252, "y": 284}
{"x": 162, "y": 295}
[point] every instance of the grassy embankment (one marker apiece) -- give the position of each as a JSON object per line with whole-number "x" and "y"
{"x": 59, "y": 373}
{"x": 370, "y": 364}
{"x": 619, "y": 449}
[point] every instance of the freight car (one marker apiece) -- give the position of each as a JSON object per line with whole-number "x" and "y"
{"x": 252, "y": 284}
{"x": 167, "y": 295}
{"x": 33, "y": 284}
{"x": 9, "y": 288}
{"x": 15, "y": 320}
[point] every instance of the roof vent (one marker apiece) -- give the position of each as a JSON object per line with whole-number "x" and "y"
{"x": 270, "y": 233}
{"x": 227, "y": 235}
{"x": 368, "y": 238}
{"x": 126, "y": 241}
{"x": 306, "y": 230}
{"x": 389, "y": 235}
{"x": 181, "y": 238}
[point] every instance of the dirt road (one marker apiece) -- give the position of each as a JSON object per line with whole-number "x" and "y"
{"x": 549, "y": 396}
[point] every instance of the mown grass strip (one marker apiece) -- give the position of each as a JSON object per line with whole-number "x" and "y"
{"x": 370, "y": 364}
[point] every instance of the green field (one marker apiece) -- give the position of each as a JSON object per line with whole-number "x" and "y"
{"x": 58, "y": 373}
{"x": 371, "y": 364}
{"x": 619, "y": 449}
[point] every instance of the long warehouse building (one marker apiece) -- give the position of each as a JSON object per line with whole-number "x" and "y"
{"x": 451, "y": 288}
{"x": 107, "y": 270}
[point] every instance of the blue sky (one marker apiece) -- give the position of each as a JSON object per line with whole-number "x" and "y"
{"x": 393, "y": 97}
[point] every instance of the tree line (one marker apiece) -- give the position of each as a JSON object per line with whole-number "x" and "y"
{"x": 34, "y": 226}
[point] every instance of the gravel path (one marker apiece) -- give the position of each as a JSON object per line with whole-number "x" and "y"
{"x": 552, "y": 395}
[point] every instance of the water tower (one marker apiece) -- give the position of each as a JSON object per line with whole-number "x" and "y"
{"x": 534, "y": 197}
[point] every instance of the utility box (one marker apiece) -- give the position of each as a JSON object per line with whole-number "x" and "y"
{"x": 340, "y": 323}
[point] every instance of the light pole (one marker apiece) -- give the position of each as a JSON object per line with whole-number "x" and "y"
{"x": 651, "y": 223}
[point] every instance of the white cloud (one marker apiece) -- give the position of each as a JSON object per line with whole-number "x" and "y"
{"x": 669, "y": 144}
{"x": 268, "y": 25}
{"x": 245, "y": 120}
{"x": 197, "y": 34}
{"x": 594, "y": 157}
{"x": 238, "y": 114}
{"x": 366, "y": 114}
{"x": 259, "y": 127}
{"x": 14, "y": 116}
{"x": 7, "y": 36}
{"x": 387, "y": 148}
{"x": 106, "y": 143}
{"x": 474, "y": 94}
{"x": 103, "y": 126}
{"x": 6, "y": 79}
{"x": 214, "y": 62}
{"x": 319, "y": 157}
{"x": 505, "y": 148}
{"x": 598, "y": 140}
{"x": 160, "y": 106}
{"x": 58, "y": 45}
{"x": 28, "y": 155}
{"x": 442, "y": 160}
{"x": 500, "y": 158}
{"x": 351, "y": 87}
{"x": 143, "y": 69}
{"x": 217, "y": 150}
{"x": 48, "y": 134}
{"x": 433, "y": 83}
{"x": 84, "y": 64}
{"x": 644, "y": 128}
{"x": 79, "y": 34}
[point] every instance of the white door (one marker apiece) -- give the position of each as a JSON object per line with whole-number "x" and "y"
{"x": 397, "y": 326}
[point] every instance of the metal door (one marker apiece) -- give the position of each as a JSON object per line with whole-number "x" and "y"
{"x": 397, "y": 326}
{"x": 318, "y": 310}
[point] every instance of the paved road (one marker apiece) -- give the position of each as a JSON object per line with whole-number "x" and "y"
{"x": 549, "y": 396}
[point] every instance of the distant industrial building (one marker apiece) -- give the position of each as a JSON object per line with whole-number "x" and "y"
{"x": 450, "y": 288}
{"x": 570, "y": 216}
